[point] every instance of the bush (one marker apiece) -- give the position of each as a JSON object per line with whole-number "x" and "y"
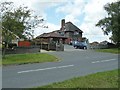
{"x": 12, "y": 45}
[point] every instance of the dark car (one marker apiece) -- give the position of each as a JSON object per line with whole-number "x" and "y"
{"x": 80, "y": 45}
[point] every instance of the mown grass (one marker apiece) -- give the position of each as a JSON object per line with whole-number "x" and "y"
{"x": 107, "y": 79}
{"x": 113, "y": 50}
{"x": 28, "y": 58}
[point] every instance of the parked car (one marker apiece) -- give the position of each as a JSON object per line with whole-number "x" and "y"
{"x": 80, "y": 45}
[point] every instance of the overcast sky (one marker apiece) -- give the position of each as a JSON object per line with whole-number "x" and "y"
{"x": 82, "y": 13}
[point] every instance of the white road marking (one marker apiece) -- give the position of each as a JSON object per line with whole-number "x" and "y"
{"x": 104, "y": 60}
{"x": 45, "y": 69}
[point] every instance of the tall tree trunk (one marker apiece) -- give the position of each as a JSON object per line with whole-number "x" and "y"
{"x": 4, "y": 50}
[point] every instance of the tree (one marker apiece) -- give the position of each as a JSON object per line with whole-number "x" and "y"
{"x": 111, "y": 23}
{"x": 17, "y": 22}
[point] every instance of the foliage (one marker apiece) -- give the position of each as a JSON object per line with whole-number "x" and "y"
{"x": 17, "y": 22}
{"x": 111, "y": 23}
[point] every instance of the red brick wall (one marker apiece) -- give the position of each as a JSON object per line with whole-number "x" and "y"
{"x": 24, "y": 43}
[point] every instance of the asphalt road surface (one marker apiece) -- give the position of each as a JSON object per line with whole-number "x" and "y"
{"x": 73, "y": 63}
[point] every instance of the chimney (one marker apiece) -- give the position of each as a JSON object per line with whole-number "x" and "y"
{"x": 62, "y": 24}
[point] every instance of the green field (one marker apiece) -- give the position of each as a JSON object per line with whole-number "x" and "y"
{"x": 108, "y": 79}
{"x": 114, "y": 50}
{"x": 28, "y": 58}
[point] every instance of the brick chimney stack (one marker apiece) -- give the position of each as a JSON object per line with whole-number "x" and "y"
{"x": 62, "y": 24}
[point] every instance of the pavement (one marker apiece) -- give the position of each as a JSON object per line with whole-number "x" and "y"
{"x": 73, "y": 63}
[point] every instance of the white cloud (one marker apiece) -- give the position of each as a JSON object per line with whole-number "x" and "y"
{"x": 73, "y": 9}
{"x": 71, "y": 18}
{"x": 51, "y": 27}
{"x": 93, "y": 33}
{"x": 94, "y": 11}
{"x": 39, "y": 7}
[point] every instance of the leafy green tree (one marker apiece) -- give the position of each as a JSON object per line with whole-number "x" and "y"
{"x": 17, "y": 22}
{"x": 111, "y": 23}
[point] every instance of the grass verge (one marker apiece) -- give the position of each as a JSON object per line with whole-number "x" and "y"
{"x": 114, "y": 50}
{"x": 107, "y": 79}
{"x": 28, "y": 58}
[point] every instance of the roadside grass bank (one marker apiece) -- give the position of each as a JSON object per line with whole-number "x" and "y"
{"x": 17, "y": 59}
{"x": 113, "y": 50}
{"x": 107, "y": 79}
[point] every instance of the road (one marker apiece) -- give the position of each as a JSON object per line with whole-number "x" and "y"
{"x": 73, "y": 63}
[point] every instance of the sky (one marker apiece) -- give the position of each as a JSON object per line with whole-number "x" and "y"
{"x": 82, "y": 13}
